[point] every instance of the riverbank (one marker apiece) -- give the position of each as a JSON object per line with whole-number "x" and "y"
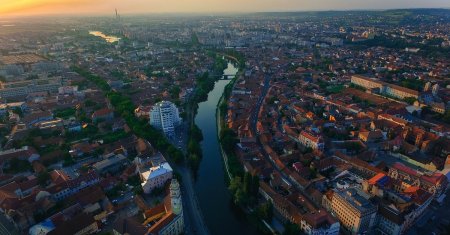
{"x": 251, "y": 214}
{"x": 219, "y": 120}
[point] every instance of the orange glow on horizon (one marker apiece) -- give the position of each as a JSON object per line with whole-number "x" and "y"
{"x": 35, "y": 7}
{"x": 26, "y": 7}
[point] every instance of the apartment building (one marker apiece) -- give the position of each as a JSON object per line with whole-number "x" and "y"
{"x": 354, "y": 210}
{"x": 23, "y": 88}
{"x": 165, "y": 116}
{"x": 384, "y": 88}
{"x": 311, "y": 140}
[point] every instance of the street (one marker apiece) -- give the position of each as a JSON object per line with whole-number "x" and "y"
{"x": 435, "y": 220}
{"x": 194, "y": 221}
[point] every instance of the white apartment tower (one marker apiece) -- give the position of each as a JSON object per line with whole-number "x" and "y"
{"x": 165, "y": 116}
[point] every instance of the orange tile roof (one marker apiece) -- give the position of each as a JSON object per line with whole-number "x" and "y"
{"x": 156, "y": 228}
{"x": 377, "y": 177}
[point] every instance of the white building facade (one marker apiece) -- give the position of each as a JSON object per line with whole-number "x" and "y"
{"x": 165, "y": 116}
{"x": 156, "y": 177}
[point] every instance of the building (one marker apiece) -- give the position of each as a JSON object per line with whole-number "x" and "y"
{"x": 4, "y": 108}
{"x": 23, "y": 88}
{"x": 384, "y": 88}
{"x": 310, "y": 140}
{"x": 434, "y": 183}
{"x": 103, "y": 114}
{"x": 156, "y": 177}
{"x": 111, "y": 164}
{"x": 36, "y": 117}
{"x": 354, "y": 210}
{"x": 24, "y": 153}
{"x": 167, "y": 218}
{"x": 397, "y": 211}
{"x": 142, "y": 111}
{"x": 67, "y": 90}
{"x": 129, "y": 226}
{"x": 366, "y": 82}
{"x": 63, "y": 186}
{"x": 165, "y": 116}
{"x": 435, "y": 89}
{"x": 320, "y": 222}
{"x": 80, "y": 224}
{"x": 427, "y": 86}
{"x": 370, "y": 136}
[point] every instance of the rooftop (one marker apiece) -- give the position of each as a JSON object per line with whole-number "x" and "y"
{"x": 357, "y": 199}
{"x": 156, "y": 171}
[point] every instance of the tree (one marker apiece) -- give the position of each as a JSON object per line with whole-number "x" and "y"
{"x": 194, "y": 147}
{"x": 255, "y": 186}
{"x": 43, "y": 178}
{"x": 196, "y": 133}
{"x": 410, "y": 100}
{"x": 291, "y": 229}
{"x": 228, "y": 140}
{"x": 18, "y": 111}
{"x": 265, "y": 211}
{"x": 446, "y": 117}
{"x": 240, "y": 197}
{"x": 194, "y": 161}
{"x": 247, "y": 183}
{"x": 138, "y": 190}
{"x": 68, "y": 160}
{"x": 16, "y": 165}
{"x": 174, "y": 92}
{"x": 235, "y": 184}
{"x": 89, "y": 103}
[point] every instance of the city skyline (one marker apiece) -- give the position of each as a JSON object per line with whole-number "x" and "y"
{"x": 206, "y": 117}
{"x": 33, "y": 7}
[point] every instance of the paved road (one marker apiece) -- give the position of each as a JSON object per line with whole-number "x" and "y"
{"x": 254, "y": 120}
{"x": 6, "y": 228}
{"x": 192, "y": 212}
{"x": 434, "y": 221}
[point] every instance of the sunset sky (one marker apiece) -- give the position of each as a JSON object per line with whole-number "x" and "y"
{"x": 29, "y": 7}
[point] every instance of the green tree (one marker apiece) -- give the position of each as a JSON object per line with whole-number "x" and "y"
{"x": 410, "y": 100}
{"x": 265, "y": 211}
{"x": 228, "y": 139}
{"x": 174, "y": 92}
{"x": 291, "y": 229}
{"x": 247, "y": 187}
{"x": 18, "y": 111}
{"x": 43, "y": 178}
{"x": 235, "y": 184}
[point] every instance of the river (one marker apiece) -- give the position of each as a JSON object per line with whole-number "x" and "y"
{"x": 110, "y": 39}
{"x": 222, "y": 217}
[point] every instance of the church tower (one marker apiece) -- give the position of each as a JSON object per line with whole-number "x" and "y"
{"x": 175, "y": 197}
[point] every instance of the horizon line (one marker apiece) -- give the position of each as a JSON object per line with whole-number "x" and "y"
{"x": 103, "y": 14}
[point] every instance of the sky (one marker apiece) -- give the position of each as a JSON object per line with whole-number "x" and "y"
{"x": 33, "y": 7}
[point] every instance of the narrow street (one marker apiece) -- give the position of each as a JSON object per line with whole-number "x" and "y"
{"x": 254, "y": 121}
{"x": 6, "y": 228}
